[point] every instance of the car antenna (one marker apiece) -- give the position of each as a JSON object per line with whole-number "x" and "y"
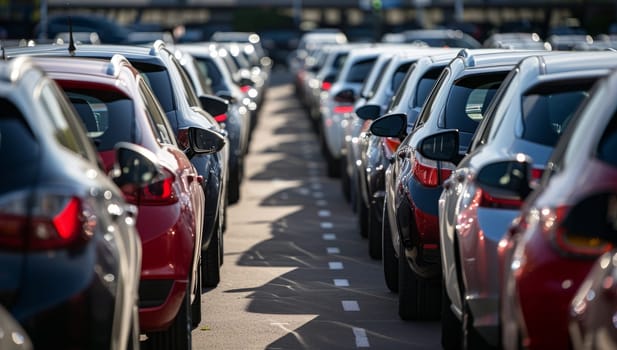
{"x": 71, "y": 41}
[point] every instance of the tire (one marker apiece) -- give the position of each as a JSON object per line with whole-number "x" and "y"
{"x": 333, "y": 166}
{"x": 196, "y": 306}
{"x": 233, "y": 186}
{"x": 362, "y": 217}
{"x": 374, "y": 232}
{"x": 178, "y": 335}
{"x": 389, "y": 259}
{"x": 451, "y": 338}
{"x": 471, "y": 339}
{"x": 345, "y": 180}
{"x": 211, "y": 262}
{"x": 418, "y": 298}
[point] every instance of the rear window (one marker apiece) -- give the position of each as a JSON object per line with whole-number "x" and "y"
{"x": 360, "y": 70}
{"x": 468, "y": 99}
{"x": 548, "y": 108}
{"x": 17, "y": 144}
{"x": 107, "y": 115}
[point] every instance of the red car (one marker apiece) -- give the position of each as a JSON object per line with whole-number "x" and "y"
{"x": 547, "y": 254}
{"x": 115, "y": 104}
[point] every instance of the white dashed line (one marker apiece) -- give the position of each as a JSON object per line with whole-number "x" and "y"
{"x": 333, "y": 250}
{"x": 341, "y": 283}
{"x": 328, "y": 236}
{"x": 350, "y": 305}
{"x": 361, "y": 338}
{"x": 326, "y": 225}
{"x": 324, "y": 213}
{"x": 335, "y": 265}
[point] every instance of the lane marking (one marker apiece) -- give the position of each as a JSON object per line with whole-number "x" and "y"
{"x": 316, "y": 186}
{"x": 328, "y": 236}
{"x": 335, "y": 265}
{"x": 333, "y": 250}
{"x": 318, "y": 195}
{"x": 324, "y": 213}
{"x": 326, "y": 225}
{"x": 361, "y": 338}
{"x": 341, "y": 282}
{"x": 350, "y": 305}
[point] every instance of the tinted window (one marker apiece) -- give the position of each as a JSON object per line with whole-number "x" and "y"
{"x": 607, "y": 149}
{"x": 398, "y": 76}
{"x": 547, "y": 109}
{"x": 382, "y": 70}
{"x": 339, "y": 60}
{"x": 107, "y": 115}
{"x": 360, "y": 70}
{"x": 468, "y": 99}
{"x": 208, "y": 68}
{"x": 426, "y": 112}
{"x": 158, "y": 79}
{"x": 17, "y": 144}
{"x": 424, "y": 87}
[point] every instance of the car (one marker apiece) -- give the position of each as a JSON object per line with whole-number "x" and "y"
{"x": 438, "y": 38}
{"x": 183, "y": 109}
{"x": 537, "y": 101}
{"x": 519, "y": 40}
{"x": 107, "y": 30}
{"x": 414, "y": 180}
{"x": 370, "y": 164}
{"x": 544, "y": 259}
{"x": 593, "y": 307}
{"x": 71, "y": 253}
{"x": 113, "y": 99}
{"x": 206, "y": 78}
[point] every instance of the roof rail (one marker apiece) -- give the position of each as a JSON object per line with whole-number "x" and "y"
{"x": 115, "y": 63}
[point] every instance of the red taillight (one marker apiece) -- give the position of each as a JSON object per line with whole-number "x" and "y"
{"x": 161, "y": 192}
{"x": 488, "y": 200}
{"x": 391, "y": 144}
{"x": 427, "y": 171}
{"x": 43, "y": 222}
{"x": 221, "y": 118}
{"x": 245, "y": 88}
{"x": 183, "y": 138}
{"x": 571, "y": 243}
{"x": 536, "y": 174}
{"x": 343, "y": 109}
{"x": 326, "y": 85}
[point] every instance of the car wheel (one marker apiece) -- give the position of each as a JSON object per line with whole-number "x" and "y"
{"x": 418, "y": 298}
{"x": 450, "y": 325}
{"x": 233, "y": 186}
{"x": 362, "y": 217}
{"x": 178, "y": 335}
{"x": 196, "y": 306}
{"x": 374, "y": 232}
{"x": 389, "y": 259}
{"x": 345, "y": 181}
{"x": 471, "y": 339}
{"x": 211, "y": 262}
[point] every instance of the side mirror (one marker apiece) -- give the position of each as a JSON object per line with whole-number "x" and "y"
{"x": 368, "y": 112}
{"x": 390, "y": 125}
{"x": 214, "y": 105}
{"x": 442, "y": 146}
{"x": 226, "y": 95}
{"x": 204, "y": 141}
{"x": 506, "y": 183}
{"x": 594, "y": 216}
{"x": 345, "y": 96}
{"x": 134, "y": 167}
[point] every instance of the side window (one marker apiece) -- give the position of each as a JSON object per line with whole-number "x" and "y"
{"x": 360, "y": 70}
{"x": 191, "y": 98}
{"x": 426, "y": 111}
{"x": 67, "y": 129}
{"x": 607, "y": 148}
{"x": 155, "y": 114}
{"x": 398, "y": 76}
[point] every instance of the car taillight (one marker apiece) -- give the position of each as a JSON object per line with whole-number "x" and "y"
{"x": 183, "y": 138}
{"x": 221, "y": 117}
{"x": 567, "y": 242}
{"x": 342, "y": 109}
{"x": 44, "y": 221}
{"x": 326, "y": 85}
{"x": 429, "y": 172}
{"x": 161, "y": 192}
{"x": 245, "y": 88}
{"x": 391, "y": 144}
